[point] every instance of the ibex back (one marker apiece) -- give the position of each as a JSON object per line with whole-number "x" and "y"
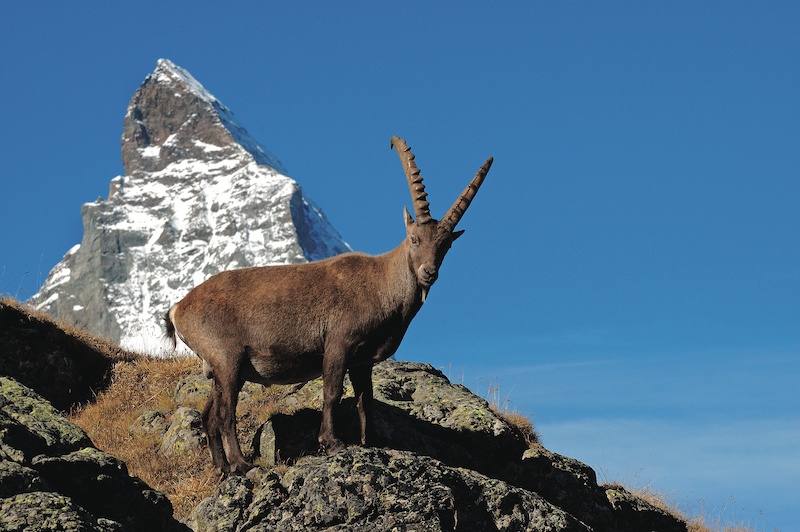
{"x": 290, "y": 324}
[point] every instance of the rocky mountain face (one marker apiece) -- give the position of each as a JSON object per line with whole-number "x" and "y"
{"x": 199, "y": 196}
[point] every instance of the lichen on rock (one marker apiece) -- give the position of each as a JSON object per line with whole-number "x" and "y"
{"x": 30, "y": 425}
{"x": 53, "y": 478}
{"x": 377, "y": 489}
{"x": 185, "y": 434}
{"x": 50, "y": 511}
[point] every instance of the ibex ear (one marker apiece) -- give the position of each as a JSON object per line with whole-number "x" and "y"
{"x": 407, "y": 216}
{"x": 457, "y": 234}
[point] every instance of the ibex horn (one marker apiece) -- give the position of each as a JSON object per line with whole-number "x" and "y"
{"x": 418, "y": 194}
{"x": 457, "y": 210}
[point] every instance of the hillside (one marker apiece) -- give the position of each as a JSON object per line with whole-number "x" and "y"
{"x": 446, "y": 460}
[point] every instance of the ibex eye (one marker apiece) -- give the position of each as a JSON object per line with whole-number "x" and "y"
{"x": 413, "y": 240}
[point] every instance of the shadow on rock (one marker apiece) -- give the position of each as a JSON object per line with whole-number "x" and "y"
{"x": 415, "y": 409}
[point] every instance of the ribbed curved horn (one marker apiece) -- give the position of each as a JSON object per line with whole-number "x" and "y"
{"x": 457, "y": 210}
{"x": 418, "y": 194}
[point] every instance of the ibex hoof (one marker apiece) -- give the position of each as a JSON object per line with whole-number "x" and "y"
{"x": 241, "y": 469}
{"x": 333, "y": 446}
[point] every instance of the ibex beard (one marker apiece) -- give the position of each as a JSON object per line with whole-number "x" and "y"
{"x": 291, "y": 324}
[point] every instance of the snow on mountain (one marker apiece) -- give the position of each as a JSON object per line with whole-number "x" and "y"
{"x": 199, "y": 196}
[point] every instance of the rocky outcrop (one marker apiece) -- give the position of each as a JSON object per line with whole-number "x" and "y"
{"x": 416, "y": 409}
{"x": 185, "y": 433}
{"x": 444, "y": 460}
{"x": 53, "y": 478}
{"x": 199, "y": 196}
{"x": 377, "y": 489}
{"x": 383, "y": 489}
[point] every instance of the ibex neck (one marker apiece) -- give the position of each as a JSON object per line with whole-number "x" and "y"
{"x": 404, "y": 289}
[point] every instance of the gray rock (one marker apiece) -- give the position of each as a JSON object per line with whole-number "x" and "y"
{"x": 16, "y": 478}
{"x": 30, "y": 425}
{"x": 151, "y": 421}
{"x": 445, "y": 429}
{"x": 563, "y": 481}
{"x": 418, "y": 409}
{"x": 50, "y": 511}
{"x": 185, "y": 433}
{"x": 633, "y": 513}
{"x": 193, "y": 390}
{"x": 100, "y": 484}
{"x": 53, "y": 478}
{"x": 225, "y": 510}
{"x": 376, "y": 490}
{"x": 572, "y": 486}
{"x": 287, "y": 437}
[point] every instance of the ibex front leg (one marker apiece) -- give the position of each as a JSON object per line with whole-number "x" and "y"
{"x": 333, "y": 368}
{"x": 361, "y": 377}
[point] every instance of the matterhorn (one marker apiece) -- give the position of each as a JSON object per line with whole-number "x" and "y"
{"x": 199, "y": 196}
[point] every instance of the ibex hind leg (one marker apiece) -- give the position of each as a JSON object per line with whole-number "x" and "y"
{"x": 211, "y": 426}
{"x": 219, "y": 418}
{"x": 229, "y": 397}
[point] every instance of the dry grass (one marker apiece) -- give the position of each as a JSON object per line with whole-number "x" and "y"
{"x": 147, "y": 384}
{"x": 504, "y": 408}
{"x": 519, "y": 422}
{"x": 698, "y": 516}
{"x": 150, "y": 384}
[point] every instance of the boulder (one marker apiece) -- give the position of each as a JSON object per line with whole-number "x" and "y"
{"x": 42, "y": 510}
{"x": 53, "y": 478}
{"x": 362, "y": 489}
{"x": 185, "y": 433}
{"x": 151, "y": 421}
{"x": 31, "y": 426}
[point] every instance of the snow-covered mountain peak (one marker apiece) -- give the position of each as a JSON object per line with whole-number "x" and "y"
{"x": 168, "y": 72}
{"x": 172, "y": 117}
{"x": 199, "y": 196}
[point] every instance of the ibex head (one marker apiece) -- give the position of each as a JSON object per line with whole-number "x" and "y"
{"x": 428, "y": 240}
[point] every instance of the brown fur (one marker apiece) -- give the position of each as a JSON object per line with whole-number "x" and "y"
{"x": 293, "y": 323}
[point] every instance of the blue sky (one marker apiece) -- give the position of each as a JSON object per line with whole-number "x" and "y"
{"x": 630, "y": 272}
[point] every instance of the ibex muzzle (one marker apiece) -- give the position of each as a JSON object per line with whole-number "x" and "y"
{"x": 293, "y": 323}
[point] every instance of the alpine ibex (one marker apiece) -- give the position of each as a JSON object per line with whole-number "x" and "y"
{"x": 290, "y": 324}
